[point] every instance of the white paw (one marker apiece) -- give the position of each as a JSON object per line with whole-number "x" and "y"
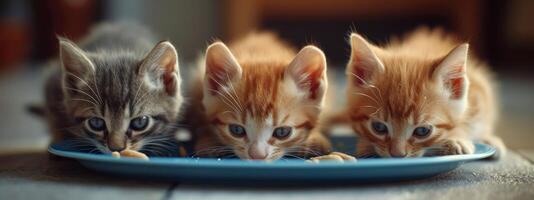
{"x": 335, "y": 156}
{"x": 458, "y": 146}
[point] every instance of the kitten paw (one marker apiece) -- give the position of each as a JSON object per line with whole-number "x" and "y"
{"x": 458, "y": 146}
{"x": 335, "y": 156}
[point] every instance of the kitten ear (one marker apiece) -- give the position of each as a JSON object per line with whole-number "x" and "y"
{"x": 452, "y": 76}
{"x": 221, "y": 67}
{"x": 160, "y": 67}
{"x": 74, "y": 62}
{"x": 363, "y": 63}
{"x": 308, "y": 71}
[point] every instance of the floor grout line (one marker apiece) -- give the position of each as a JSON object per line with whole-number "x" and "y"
{"x": 169, "y": 191}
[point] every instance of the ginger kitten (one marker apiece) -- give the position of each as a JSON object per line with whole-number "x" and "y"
{"x": 258, "y": 99}
{"x": 423, "y": 94}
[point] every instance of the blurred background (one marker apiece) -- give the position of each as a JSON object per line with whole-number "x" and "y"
{"x": 500, "y": 32}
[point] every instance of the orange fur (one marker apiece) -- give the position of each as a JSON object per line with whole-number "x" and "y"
{"x": 406, "y": 94}
{"x": 257, "y": 93}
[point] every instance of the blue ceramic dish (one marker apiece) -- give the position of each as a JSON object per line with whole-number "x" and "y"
{"x": 289, "y": 170}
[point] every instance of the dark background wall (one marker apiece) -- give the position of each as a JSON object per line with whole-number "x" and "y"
{"x": 501, "y": 31}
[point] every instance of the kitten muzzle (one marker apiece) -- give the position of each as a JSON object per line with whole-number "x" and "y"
{"x": 397, "y": 153}
{"x": 257, "y": 154}
{"x": 115, "y": 144}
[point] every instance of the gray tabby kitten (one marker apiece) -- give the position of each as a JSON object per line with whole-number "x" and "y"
{"x": 115, "y": 91}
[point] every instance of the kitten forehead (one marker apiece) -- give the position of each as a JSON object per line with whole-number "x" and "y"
{"x": 259, "y": 130}
{"x": 260, "y": 90}
{"x": 118, "y": 84}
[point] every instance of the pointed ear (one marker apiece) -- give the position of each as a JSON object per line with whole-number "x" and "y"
{"x": 221, "y": 67}
{"x": 160, "y": 68}
{"x": 75, "y": 64}
{"x": 363, "y": 63}
{"x": 452, "y": 77}
{"x": 308, "y": 71}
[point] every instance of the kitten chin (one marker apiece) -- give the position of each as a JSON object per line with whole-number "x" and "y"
{"x": 423, "y": 94}
{"x": 258, "y": 99}
{"x": 118, "y": 90}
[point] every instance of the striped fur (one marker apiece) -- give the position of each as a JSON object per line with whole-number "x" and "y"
{"x": 253, "y": 85}
{"x": 115, "y": 76}
{"x": 401, "y": 84}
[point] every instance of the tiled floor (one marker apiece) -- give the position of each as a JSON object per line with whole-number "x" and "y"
{"x": 27, "y": 173}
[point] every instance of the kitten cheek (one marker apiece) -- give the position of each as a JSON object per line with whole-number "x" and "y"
{"x": 276, "y": 156}
{"x": 96, "y": 135}
{"x": 240, "y": 154}
{"x": 99, "y": 135}
{"x": 381, "y": 152}
{"x": 135, "y": 145}
{"x": 419, "y": 153}
{"x": 139, "y": 134}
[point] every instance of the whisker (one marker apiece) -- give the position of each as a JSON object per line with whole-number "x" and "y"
{"x": 84, "y": 100}
{"x": 294, "y": 156}
{"x": 84, "y": 82}
{"x": 136, "y": 93}
{"x": 235, "y": 103}
{"x": 235, "y": 97}
{"x": 226, "y": 101}
{"x": 365, "y": 95}
{"x": 378, "y": 90}
{"x": 96, "y": 87}
{"x": 84, "y": 93}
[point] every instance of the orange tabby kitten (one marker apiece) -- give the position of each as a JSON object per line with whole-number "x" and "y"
{"x": 259, "y": 100}
{"x": 419, "y": 95}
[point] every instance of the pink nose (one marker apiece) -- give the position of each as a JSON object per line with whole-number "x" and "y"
{"x": 397, "y": 153}
{"x": 257, "y": 155}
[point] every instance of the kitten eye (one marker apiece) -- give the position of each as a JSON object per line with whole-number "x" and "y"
{"x": 96, "y": 124}
{"x": 379, "y": 128}
{"x": 282, "y": 132}
{"x": 139, "y": 123}
{"x": 422, "y": 131}
{"x": 237, "y": 130}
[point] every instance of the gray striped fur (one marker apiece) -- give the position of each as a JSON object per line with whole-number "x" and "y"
{"x": 115, "y": 75}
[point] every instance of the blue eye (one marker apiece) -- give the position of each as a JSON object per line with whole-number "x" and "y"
{"x": 139, "y": 123}
{"x": 422, "y": 131}
{"x": 237, "y": 130}
{"x": 379, "y": 128}
{"x": 282, "y": 132}
{"x": 96, "y": 124}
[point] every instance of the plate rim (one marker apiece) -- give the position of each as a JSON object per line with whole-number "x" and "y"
{"x": 236, "y": 163}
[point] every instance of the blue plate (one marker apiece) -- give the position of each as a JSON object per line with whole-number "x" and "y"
{"x": 288, "y": 171}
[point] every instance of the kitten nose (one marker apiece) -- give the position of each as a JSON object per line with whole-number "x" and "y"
{"x": 255, "y": 154}
{"x": 397, "y": 153}
{"x": 116, "y": 148}
{"x": 116, "y": 145}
